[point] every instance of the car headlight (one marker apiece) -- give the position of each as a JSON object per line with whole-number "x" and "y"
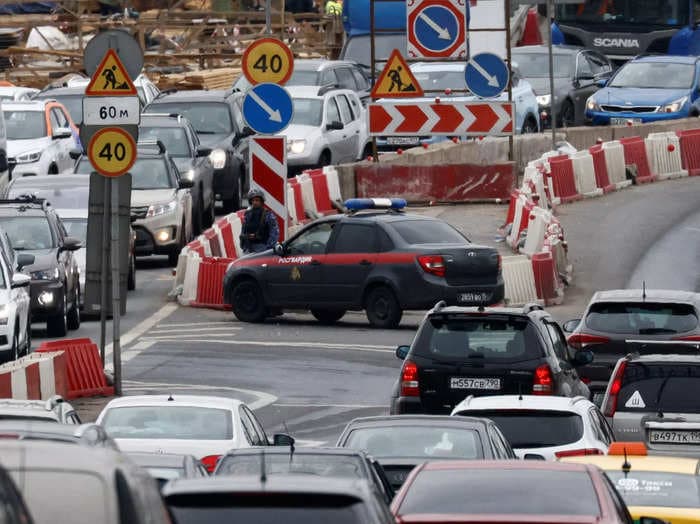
{"x": 27, "y": 158}
{"x": 188, "y": 175}
{"x": 4, "y": 314}
{"x": 46, "y": 274}
{"x": 155, "y": 210}
{"x": 544, "y": 100}
{"x": 592, "y": 105}
{"x": 296, "y": 146}
{"x": 218, "y": 158}
{"x": 674, "y": 106}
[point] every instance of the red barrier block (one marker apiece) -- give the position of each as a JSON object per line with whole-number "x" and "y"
{"x": 86, "y": 377}
{"x": 229, "y": 241}
{"x": 690, "y": 150}
{"x": 33, "y": 381}
{"x": 602, "y": 179}
{"x": 531, "y": 33}
{"x": 210, "y": 283}
{"x": 6, "y": 385}
{"x": 510, "y": 217}
{"x": 564, "y": 179}
{"x": 213, "y": 240}
{"x": 197, "y": 247}
{"x": 636, "y": 154}
{"x": 60, "y": 375}
{"x": 545, "y": 272}
{"x": 322, "y": 195}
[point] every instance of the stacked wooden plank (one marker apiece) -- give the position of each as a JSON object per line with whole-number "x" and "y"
{"x": 220, "y": 78}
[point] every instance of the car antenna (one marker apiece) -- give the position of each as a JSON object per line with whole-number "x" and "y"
{"x": 291, "y": 445}
{"x": 644, "y": 290}
{"x": 626, "y": 466}
{"x": 170, "y": 397}
{"x": 263, "y": 473}
{"x": 520, "y": 391}
{"x": 659, "y": 411}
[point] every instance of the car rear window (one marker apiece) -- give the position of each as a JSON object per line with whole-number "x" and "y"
{"x": 502, "y": 491}
{"x": 28, "y": 232}
{"x": 427, "y": 232}
{"x": 667, "y": 387}
{"x": 321, "y": 465}
{"x": 535, "y": 429}
{"x": 159, "y": 422}
{"x": 647, "y": 318}
{"x": 503, "y": 339}
{"x": 653, "y": 488}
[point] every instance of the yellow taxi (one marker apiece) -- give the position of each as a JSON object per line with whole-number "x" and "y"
{"x": 666, "y": 488}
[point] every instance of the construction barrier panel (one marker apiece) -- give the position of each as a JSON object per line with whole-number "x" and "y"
{"x": 298, "y": 201}
{"x": 210, "y": 291}
{"x": 602, "y": 179}
{"x": 664, "y": 153}
{"x": 334, "y": 186}
{"x": 322, "y": 196}
{"x": 519, "y": 280}
{"x": 690, "y": 151}
{"x": 563, "y": 179}
{"x": 189, "y": 285}
{"x": 546, "y": 280}
{"x": 539, "y": 221}
{"x": 636, "y": 155}
{"x": 584, "y": 174}
{"x": 211, "y": 237}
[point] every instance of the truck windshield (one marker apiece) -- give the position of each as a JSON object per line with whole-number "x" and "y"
{"x": 626, "y": 12}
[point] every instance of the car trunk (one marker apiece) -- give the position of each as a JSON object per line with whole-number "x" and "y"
{"x": 470, "y": 265}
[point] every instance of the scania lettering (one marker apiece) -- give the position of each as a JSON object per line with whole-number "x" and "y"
{"x": 616, "y": 42}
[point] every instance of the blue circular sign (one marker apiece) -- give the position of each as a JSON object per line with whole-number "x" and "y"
{"x": 436, "y": 28}
{"x": 486, "y": 75}
{"x": 268, "y": 109}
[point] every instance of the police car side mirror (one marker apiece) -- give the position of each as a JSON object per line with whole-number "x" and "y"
{"x": 279, "y": 249}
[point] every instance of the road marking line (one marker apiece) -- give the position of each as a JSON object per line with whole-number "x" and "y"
{"x": 303, "y": 345}
{"x": 141, "y": 346}
{"x": 192, "y": 324}
{"x": 159, "y": 331}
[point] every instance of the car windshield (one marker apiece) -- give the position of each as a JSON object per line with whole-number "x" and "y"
{"x": 28, "y": 232}
{"x": 74, "y": 105}
{"x": 322, "y": 465}
{"x": 642, "y": 318}
{"x": 660, "y": 386}
{"x": 173, "y": 138}
{"x": 536, "y": 65}
{"x": 77, "y": 228}
{"x": 427, "y": 232}
{"x": 420, "y": 442}
{"x": 625, "y": 13}
{"x": 300, "y": 77}
{"x": 658, "y": 75}
{"x": 534, "y": 429}
{"x": 503, "y": 339}
{"x": 25, "y": 125}
{"x": 358, "y": 48}
{"x": 307, "y": 112}
{"x": 208, "y": 118}
{"x": 171, "y": 422}
{"x": 656, "y": 488}
{"x": 440, "y": 80}
{"x": 490, "y": 491}
{"x": 146, "y": 173}
{"x": 65, "y": 197}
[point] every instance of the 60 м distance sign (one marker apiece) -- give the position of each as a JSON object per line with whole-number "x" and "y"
{"x": 112, "y": 111}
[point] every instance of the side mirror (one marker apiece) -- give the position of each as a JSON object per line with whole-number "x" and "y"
{"x": 185, "y": 183}
{"x": 570, "y": 325}
{"x": 602, "y": 82}
{"x": 24, "y": 260}
{"x": 245, "y": 132}
{"x": 279, "y": 249}
{"x": 402, "y": 352}
{"x": 583, "y": 358}
{"x": 203, "y": 151}
{"x": 71, "y": 244}
{"x": 75, "y": 154}
{"x": 586, "y": 77}
{"x": 282, "y": 439}
{"x": 61, "y": 132}
{"x": 533, "y": 456}
{"x": 20, "y": 279}
{"x": 335, "y": 126}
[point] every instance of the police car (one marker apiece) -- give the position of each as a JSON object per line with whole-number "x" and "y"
{"x": 374, "y": 257}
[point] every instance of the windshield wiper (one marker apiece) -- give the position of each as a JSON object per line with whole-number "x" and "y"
{"x": 206, "y": 132}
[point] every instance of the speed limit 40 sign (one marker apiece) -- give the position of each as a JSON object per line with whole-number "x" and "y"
{"x": 267, "y": 60}
{"x": 112, "y": 151}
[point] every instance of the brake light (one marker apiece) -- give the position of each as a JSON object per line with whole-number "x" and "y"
{"x": 210, "y": 462}
{"x": 433, "y": 264}
{"x": 621, "y": 448}
{"x": 543, "y": 381}
{"x": 689, "y": 338}
{"x": 583, "y": 340}
{"x": 409, "y": 380}
{"x": 578, "y": 452}
{"x": 614, "y": 390}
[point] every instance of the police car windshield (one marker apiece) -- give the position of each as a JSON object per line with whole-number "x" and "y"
{"x": 307, "y": 112}
{"x": 655, "y": 75}
{"x": 427, "y": 232}
{"x": 28, "y": 232}
{"x": 173, "y": 138}
{"x": 209, "y": 118}
{"x": 653, "y": 488}
{"x": 25, "y": 125}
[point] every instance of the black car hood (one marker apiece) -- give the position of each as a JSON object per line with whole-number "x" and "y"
{"x": 43, "y": 259}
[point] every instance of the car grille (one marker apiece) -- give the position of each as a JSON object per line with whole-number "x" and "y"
{"x": 630, "y": 109}
{"x": 139, "y": 212}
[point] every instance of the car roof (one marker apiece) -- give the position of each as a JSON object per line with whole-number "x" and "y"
{"x": 159, "y": 459}
{"x": 72, "y": 213}
{"x": 688, "y": 466}
{"x": 417, "y": 420}
{"x": 441, "y": 465}
{"x": 285, "y": 450}
{"x": 175, "y": 400}
{"x": 50, "y": 181}
{"x": 199, "y": 95}
{"x": 542, "y": 49}
{"x": 25, "y": 105}
{"x": 656, "y": 295}
{"x": 318, "y": 64}
{"x": 674, "y": 59}
{"x": 664, "y": 359}
{"x": 525, "y": 402}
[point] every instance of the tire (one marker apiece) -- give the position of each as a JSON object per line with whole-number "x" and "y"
{"x": 248, "y": 302}
{"x": 198, "y": 217}
{"x": 529, "y": 126}
{"x": 367, "y": 151}
{"x": 383, "y": 310}
{"x": 173, "y": 257}
{"x": 131, "y": 278}
{"x": 57, "y": 325}
{"x": 53, "y": 169}
{"x": 234, "y": 203}
{"x": 73, "y": 317}
{"x": 324, "y": 159}
{"x": 568, "y": 114}
{"x": 328, "y": 316}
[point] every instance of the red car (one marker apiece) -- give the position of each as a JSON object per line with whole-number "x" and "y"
{"x": 509, "y": 492}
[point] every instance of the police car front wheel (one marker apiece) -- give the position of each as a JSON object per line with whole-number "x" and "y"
{"x": 248, "y": 302}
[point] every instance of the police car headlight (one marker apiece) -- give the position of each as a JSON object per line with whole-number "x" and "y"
{"x": 544, "y": 100}
{"x": 46, "y": 274}
{"x": 155, "y": 210}
{"x": 218, "y": 158}
{"x": 27, "y": 158}
{"x": 296, "y": 146}
{"x": 592, "y": 105}
{"x": 674, "y": 106}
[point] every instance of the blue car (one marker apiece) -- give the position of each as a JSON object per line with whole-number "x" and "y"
{"x": 648, "y": 89}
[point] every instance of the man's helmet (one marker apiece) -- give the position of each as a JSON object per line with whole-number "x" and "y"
{"x": 255, "y": 193}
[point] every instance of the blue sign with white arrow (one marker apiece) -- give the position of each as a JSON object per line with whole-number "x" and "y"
{"x": 436, "y": 28}
{"x": 486, "y": 75}
{"x": 267, "y": 108}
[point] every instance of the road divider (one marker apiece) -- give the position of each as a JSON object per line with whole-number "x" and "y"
{"x": 35, "y": 377}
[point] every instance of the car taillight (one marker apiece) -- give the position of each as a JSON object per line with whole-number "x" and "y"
{"x": 543, "y": 382}
{"x": 210, "y": 462}
{"x": 614, "y": 390}
{"x": 578, "y": 452}
{"x": 583, "y": 340}
{"x": 689, "y": 338}
{"x": 433, "y": 264}
{"x": 409, "y": 380}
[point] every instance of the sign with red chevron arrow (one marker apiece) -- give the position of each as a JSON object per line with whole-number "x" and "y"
{"x": 440, "y": 118}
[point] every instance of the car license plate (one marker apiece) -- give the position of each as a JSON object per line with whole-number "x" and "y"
{"x": 402, "y": 140}
{"x": 475, "y": 383}
{"x": 624, "y": 121}
{"x": 474, "y": 297}
{"x": 657, "y": 436}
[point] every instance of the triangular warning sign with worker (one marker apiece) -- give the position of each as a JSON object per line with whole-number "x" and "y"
{"x": 110, "y": 78}
{"x": 396, "y": 80}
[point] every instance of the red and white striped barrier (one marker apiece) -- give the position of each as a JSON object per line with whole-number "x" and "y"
{"x": 664, "y": 152}
{"x": 38, "y": 376}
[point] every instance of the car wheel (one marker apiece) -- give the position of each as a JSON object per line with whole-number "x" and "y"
{"x": 73, "y": 317}
{"x": 57, "y": 325}
{"x": 529, "y": 126}
{"x": 324, "y": 159}
{"x": 328, "y": 316}
{"x": 568, "y": 114}
{"x": 131, "y": 278}
{"x": 248, "y": 302}
{"x": 15, "y": 343}
{"x": 28, "y": 338}
{"x": 383, "y": 310}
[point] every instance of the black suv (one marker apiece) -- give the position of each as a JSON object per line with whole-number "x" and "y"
{"x": 219, "y": 125}
{"x": 459, "y": 352}
{"x": 34, "y": 228}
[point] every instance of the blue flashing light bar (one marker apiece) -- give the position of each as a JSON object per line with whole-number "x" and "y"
{"x": 357, "y": 204}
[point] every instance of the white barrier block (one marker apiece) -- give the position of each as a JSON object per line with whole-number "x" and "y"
{"x": 584, "y": 173}
{"x": 291, "y": 207}
{"x": 307, "y": 195}
{"x": 18, "y": 379}
{"x": 519, "y": 279}
{"x": 664, "y": 153}
{"x": 181, "y": 268}
{"x": 333, "y": 184}
{"x": 236, "y": 227}
{"x": 536, "y": 231}
{"x": 205, "y": 245}
{"x": 513, "y": 237}
{"x": 615, "y": 163}
{"x": 47, "y": 377}
{"x": 189, "y": 287}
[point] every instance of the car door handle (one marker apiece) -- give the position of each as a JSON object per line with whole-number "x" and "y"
{"x": 365, "y": 262}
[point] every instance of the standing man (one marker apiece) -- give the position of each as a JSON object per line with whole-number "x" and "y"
{"x": 259, "y": 231}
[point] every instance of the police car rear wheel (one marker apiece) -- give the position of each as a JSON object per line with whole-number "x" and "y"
{"x": 248, "y": 302}
{"x": 383, "y": 310}
{"x": 328, "y": 316}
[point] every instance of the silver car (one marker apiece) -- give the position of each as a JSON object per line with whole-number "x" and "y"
{"x": 55, "y": 409}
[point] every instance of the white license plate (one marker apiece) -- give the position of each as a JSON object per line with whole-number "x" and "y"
{"x": 624, "y": 121}
{"x": 660, "y": 436}
{"x": 402, "y": 140}
{"x": 475, "y": 383}
{"x": 473, "y": 297}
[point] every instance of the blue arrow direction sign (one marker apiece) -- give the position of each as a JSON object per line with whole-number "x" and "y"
{"x": 267, "y": 108}
{"x": 486, "y": 75}
{"x": 436, "y": 28}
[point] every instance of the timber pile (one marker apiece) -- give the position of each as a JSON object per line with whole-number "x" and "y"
{"x": 221, "y": 78}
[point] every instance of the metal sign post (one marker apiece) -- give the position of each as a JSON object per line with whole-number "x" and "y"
{"x": 116, "y": 288}
{"x": 552, "y": 105}
{"x": 104, "y": 272}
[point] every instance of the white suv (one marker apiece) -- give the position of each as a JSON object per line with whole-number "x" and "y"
{"x": 544, "y": 427}
{"x": 15, "y": 322}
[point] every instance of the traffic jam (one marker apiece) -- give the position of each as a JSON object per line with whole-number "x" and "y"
{"x": 296, "y": 299}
